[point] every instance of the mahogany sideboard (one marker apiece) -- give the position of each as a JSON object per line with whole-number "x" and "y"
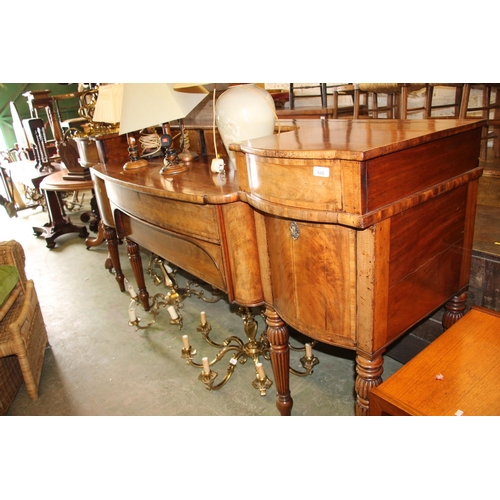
{"x": 350, "y": 231}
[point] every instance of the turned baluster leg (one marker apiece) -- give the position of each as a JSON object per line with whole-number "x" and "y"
{"x": 277, "y": 333}
{"x": 454, "y": 310}
{"x": 136, "y": 263}
{"x": 369, "y": 376}
{"x": 112, "y": 244}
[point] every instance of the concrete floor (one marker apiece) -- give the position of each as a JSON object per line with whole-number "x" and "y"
{"x": 99, "y": 365}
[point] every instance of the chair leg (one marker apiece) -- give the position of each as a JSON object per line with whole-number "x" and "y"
{"x": 29, "y": 380}
{"x": 324, "y": 97}
{"x": 335, "y": 104}
{"x": 374, "y": 104}
{"x": 429, "y": 94}
{"x": 29, "y": 340}
{"x": 403, "y": 105}
{"x": 291, "y": 96}
{"x": 390, "y": 106}
{"x": 356, "y": 99}
{"x": 464, "y": 104}
{"x": 496, "y": 128}
{"x": 458, "y": 100}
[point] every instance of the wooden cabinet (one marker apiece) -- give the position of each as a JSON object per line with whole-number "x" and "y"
{"x": 364, "y": 227}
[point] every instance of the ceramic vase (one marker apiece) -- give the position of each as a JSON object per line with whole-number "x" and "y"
{"x": 244, "y": 112}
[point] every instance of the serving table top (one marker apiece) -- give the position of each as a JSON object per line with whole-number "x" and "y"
{"x": 196, "y": 185}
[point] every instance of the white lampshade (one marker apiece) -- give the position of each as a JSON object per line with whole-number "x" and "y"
{"x": 140, "y": 105}
{"x": 149, "y": 104}
{"x": 109, "y": 103}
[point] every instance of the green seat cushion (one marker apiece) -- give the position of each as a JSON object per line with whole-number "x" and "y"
{"x": 9, "y": 276}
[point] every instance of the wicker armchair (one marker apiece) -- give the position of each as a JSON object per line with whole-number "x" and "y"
{"x": 23, "y": 336}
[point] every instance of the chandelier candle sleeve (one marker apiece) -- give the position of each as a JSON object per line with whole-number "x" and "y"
{"x": 206, "y": 366}
{"x": 308, "y": 350}
{"x": 260, "y": 371}
{"x": 131, "y": 311}
{"x": 131, "y": 289}
{"x": 203, "y": 318}
{"x": 173, "y": 313}
{"x": 185, "y": 342}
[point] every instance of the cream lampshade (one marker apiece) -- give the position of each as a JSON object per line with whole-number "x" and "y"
{"x": 137, "y": 106}
{"x": 108, "y": 105}
{"x": 149, "y": 104}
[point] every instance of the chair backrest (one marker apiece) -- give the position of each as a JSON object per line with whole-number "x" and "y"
{"x": 35, "y": 131}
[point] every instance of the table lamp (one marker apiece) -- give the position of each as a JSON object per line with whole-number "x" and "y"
{"x": 142, "y": 105}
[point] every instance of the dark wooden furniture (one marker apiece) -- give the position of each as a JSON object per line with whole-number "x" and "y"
{"x": 66, "y": 148}
{"x": 59, "y": 223}
{"x": 41, "y": 99}
{"x": 456, "y": 374}
{"x": 350, "y": 231}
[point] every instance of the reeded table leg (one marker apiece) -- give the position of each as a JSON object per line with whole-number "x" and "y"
{"x": 369, "y": 376}
{"x": 136, "y": 263}
{"x": 112, "y": 244}
{"x": 454, "y": 310}
{"x": 277, "y": 333}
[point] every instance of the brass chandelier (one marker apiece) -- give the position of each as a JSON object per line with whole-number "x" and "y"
{"x": 255, "y": 348}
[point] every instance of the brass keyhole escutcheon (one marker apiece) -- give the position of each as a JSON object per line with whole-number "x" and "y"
{"x": 294, "y": 230}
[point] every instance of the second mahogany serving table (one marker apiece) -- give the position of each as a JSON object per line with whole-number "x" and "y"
{"x": 350, "y": 231}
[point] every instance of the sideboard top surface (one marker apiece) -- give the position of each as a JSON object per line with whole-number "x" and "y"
{"x": 356, "y": 140}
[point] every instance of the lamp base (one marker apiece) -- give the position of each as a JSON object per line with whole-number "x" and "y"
{"x": 188, "y": 156}
{"x": 174, "y": 168}
{"x": 84, "y": 175}
{"x": 133, "y": 165}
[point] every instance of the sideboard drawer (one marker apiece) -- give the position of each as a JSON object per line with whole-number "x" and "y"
{"x": 190, "y": 219}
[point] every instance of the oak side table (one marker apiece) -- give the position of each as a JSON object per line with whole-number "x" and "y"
{"x": 457, "y": 374}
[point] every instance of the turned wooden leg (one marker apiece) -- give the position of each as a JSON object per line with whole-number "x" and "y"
{"x": 454, "y": 310}
{"x": 369, "y": 375}
{"x": 112, "y": 244}
{"x": 277, "y": 333}
{"x": 136, "y": 263}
